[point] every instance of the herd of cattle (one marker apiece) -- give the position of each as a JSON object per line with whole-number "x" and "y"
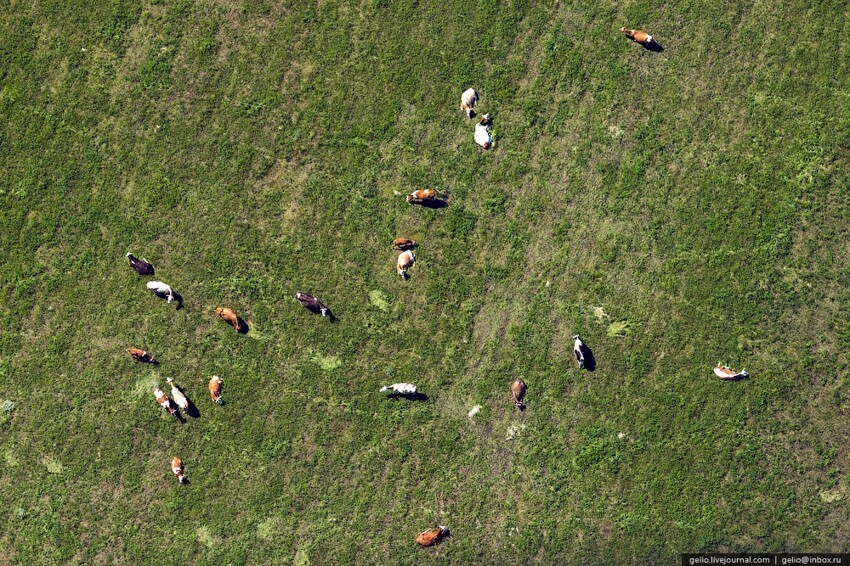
{"x": 405, "y": 261}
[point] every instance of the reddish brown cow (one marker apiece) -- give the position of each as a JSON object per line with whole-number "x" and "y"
{"x": 228, "y": 315}
{"x": 638, "y": 36}
{"x": 432, "y": 536}
{"x": 403, "y": 244}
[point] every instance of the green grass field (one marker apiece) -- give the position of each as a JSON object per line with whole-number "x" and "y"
{"x": 677, "y": 209}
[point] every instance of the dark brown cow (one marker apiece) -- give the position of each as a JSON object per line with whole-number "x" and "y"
{"x": 140, "y": 266}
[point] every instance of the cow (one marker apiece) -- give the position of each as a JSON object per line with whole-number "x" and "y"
{"x": 140, "y": 266}
{"x": 400, "y": 389}
{"x": 141, "y": 356}
{"x": 165, "y": 402}
{"x": 432, "y": 536}
{"x": 518, "y": 388}
{"x": 177, "y": 468}
{"x": 467, "y": 102}
{"x": 215, "y": 386}
{"x": 580, "y": 351}
{"x": 405, "y": 262}
{"x": 727, "y": 374}
{"x": 228, "y": 315}
{"x": 403, "y": 244}
{"x": 482, "y": 134}
{"x": 638, "y": 36}
{"x": 179, "y": 398}
{"x": 313, "y": 304}
{"x": 421, "y": 195}
{"x": 163, "y": 290}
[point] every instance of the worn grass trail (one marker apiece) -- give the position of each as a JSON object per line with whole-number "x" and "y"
{"x": 676, "y": 209}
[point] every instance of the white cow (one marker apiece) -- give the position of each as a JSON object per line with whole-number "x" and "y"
{"x": 400, "y": 388}
{"x": 482, "y": 134}
{"x": 161, "y": 289}
{"x": 467, "y": 102}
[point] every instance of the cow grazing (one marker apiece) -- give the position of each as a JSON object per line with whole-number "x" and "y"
{"x": 163, "y": 290}
{"x": 164, "y": 401}
{"x": 177, "y": 468}
{"x": 421, "y": 195}
{"x": 432, "y": 536}
{"x": 140, "y": 266}
{"x": 313, "y": 304}
{"x": 518, "y": 388}
{"x": 141, "y": 356}
{"x": 400, "y": 389}
{"x": 403, "y": 244}
{"x": 580, "y": 351}
{"x": 482, "y": 133}
{"x": 228, "y": 315}
{"x": 179, "y": 398}
{"x": 215, "y": 386}
{"x": 727, "y": 374}
{"x": 467, "y": 102}
{"x": 405, "y": 262}
{"x": 638, "y": 36}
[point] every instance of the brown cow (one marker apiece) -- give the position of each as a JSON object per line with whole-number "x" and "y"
{"x": 215, "y": 386}
{"x": 177, "y": 468}
{"x": 518, "y": 388}
{"x": 164, "y": 401}
{"x": 432, "y": 536}
{"x": 403, "y": 244}
{"x": 228, "y": 315}
{"x": 421, "y": 195}
{"x": 141, "y": 356}
{"x": 638, "y": 36}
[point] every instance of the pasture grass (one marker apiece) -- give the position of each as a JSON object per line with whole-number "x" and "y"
{"x": 676, "y": 209}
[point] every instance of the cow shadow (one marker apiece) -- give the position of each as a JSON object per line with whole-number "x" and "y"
{"x": 243, "y": 326}
{"x": 589, "y": 359}
{"x": 421, "y": 397}
{"x": 192, "y": 410}
{"x": 434, "y": 203}
{"x": 176, "y": 298}
{"x": 654, "y": 47}
{"x": 316, "y": 310}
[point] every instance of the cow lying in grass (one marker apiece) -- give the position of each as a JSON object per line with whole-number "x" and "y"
{"x": 638, "y": 36}
{"x": 421, "y": 195}
{"x": 432, "y": 536}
